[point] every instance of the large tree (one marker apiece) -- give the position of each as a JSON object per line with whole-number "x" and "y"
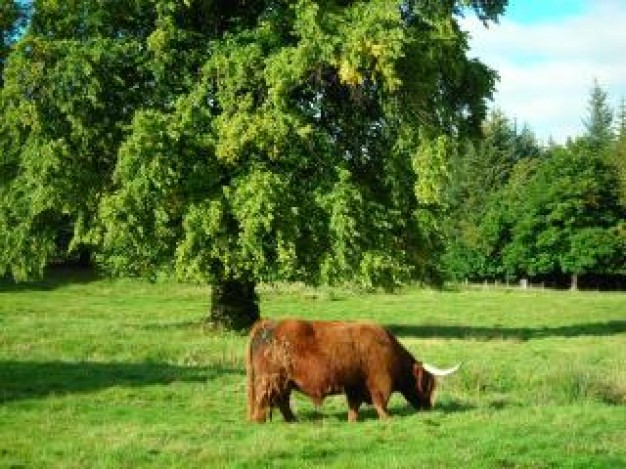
{"x": 270, "y": 140}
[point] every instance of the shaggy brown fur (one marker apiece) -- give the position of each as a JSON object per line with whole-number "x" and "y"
{"x": 322, "y": 358}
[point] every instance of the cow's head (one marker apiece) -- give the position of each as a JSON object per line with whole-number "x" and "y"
{"x": 425, "y": 382}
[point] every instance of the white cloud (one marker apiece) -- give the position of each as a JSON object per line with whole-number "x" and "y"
{"x": 546, "y": 69}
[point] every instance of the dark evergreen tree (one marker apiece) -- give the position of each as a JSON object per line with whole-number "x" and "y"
{"x": 476, "y": 231}
{"x": 598, "y": 123}
{"x": 618, "y": 153}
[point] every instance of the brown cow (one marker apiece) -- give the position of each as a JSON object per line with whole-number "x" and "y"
{"x": 322, "y": 358}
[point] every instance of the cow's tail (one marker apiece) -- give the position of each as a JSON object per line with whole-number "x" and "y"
{"x": 250, "y": 371}
{"x": 250, "y": 391}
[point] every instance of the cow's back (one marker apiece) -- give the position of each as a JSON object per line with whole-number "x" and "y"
{"x": 329, "y": 356}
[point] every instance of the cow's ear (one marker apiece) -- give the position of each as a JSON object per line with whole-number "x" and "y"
{"x": 418, "y": 372}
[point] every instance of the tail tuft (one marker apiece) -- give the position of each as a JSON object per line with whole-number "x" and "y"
{"x": 256, "y": 335}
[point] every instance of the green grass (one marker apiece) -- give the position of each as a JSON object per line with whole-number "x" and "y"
{"x": 104, "y": 373}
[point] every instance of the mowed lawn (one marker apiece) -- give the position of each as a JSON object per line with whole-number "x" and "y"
{"x": 121, "y": 373}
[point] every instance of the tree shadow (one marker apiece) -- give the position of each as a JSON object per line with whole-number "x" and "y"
{"x": 28, "y": 379}
{"x": 430, "y": 331}
{"x": 54, "y": 277}
{"x": 174, "y": 325}
{"x": 453, "y": 406}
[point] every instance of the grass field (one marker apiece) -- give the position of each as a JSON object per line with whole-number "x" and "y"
{"x": 120, "y": 373}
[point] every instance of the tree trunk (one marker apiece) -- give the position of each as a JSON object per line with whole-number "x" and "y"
{"x": 84, "y": 260}
{"x": 574, "y": 284}
{"x": 234, "y": 305}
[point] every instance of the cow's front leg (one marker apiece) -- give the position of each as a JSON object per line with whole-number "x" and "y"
{"x": 381, "y": 410}
{"x": 380, "y": 399}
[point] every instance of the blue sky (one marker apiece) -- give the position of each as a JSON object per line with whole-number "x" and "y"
{"x": 537, "y": 11}
{"x": 548, "y": 53}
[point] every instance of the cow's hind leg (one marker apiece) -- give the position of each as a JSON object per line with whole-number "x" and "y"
{"x": 260, "y": 413}
{"x": 285, "y": 408}
{"x": 354, "y": 402}
{"x": 260, "y": 409}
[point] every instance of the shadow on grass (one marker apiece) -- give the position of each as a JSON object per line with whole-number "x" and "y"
{"x": 54, "y": 277}
{"x": 175, "y": 325}
{"x": 367, "y": 412}
{"x": 520, "y": 333}
{"x": 27, "y": 379}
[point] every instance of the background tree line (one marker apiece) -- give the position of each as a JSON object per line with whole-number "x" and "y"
{"x": 552, "y": 213}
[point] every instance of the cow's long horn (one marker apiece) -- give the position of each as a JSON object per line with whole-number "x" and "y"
{"x": 433, "y": 370}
